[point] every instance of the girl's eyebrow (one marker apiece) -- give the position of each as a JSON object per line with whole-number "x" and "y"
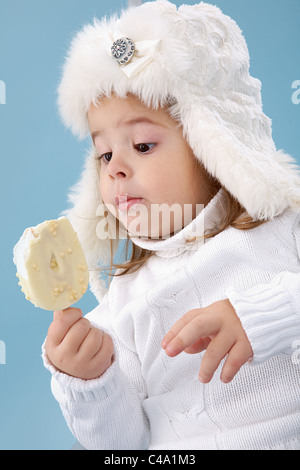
{"x": 139, "y": 120}
{"x": 130, "y": 122}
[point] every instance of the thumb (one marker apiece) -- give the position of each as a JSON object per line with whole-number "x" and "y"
{"x": 72, "y": 312}
{"x": 62, "y": 322}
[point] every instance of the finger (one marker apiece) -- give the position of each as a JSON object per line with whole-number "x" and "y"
{"x": 201, "y": 326}
{"x": 62, "y": 322}
{"x": 199, "y": 346}
{"x": 92, "y": 343}
{"x": 106, "y": 350}
{"x": 76, "y": 336}
{"x": 57, "y": 314}
{"x": 237, "y": 357}
{"x": 181, "y": 323}
{"x": 67, "y": 313}
{"x": 216, "y": 351}
{"x": 103, "y": 359}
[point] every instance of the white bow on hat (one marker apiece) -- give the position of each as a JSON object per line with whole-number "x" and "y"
{"x": 143, "y": 55}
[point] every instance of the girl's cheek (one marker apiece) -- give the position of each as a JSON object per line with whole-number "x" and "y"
{"x": 104, "y": 190}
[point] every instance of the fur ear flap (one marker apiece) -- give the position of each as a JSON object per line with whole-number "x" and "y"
{"x": 227, "y": 162}
{"x": 265, "y": 181}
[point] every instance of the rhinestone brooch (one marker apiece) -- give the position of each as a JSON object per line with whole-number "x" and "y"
{"x": 122, "y": 50}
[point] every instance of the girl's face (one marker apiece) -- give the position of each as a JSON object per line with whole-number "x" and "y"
{"x": 148, "y": 171}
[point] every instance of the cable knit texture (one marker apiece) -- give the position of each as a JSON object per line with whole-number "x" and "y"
{"x": 147, "y": 400}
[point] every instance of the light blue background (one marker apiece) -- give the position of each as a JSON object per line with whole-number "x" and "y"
{"x": 40, "y": 160}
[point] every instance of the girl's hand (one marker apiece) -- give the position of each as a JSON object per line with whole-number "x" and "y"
{"x": 217, "y": 329}
{"x": 77, "y": 349}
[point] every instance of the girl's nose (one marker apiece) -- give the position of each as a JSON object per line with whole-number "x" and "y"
{"x": 119, "y": 175}
{"x": 119, "y": 167}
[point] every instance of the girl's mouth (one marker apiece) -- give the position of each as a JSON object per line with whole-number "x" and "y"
{"x": 125, "y": 202}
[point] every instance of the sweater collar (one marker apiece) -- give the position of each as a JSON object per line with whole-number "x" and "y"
{"x": 191, "y": 236}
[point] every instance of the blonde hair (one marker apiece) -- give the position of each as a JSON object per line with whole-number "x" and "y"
{"x": 234, "y": 216}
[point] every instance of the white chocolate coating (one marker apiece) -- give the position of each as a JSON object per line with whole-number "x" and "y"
{"x": 51, "y": 265}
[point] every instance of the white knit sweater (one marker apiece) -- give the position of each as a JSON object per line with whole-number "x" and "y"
{"x": 147, "y": 400}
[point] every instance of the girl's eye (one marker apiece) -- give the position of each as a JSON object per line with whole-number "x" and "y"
{"x": 106, "y": 157}
{"x": 141, "y": 148}
{"x": 144, "y": 148}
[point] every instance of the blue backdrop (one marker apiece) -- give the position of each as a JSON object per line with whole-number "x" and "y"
{"x": 40, "y": 160}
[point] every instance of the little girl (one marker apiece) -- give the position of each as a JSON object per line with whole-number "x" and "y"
{"x": 191, "y": 346}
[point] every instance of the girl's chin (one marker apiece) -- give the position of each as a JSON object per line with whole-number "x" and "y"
{"x": 138, "y": 227}
{"x": 156, "y": 222}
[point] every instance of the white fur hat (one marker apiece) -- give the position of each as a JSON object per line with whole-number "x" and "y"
{"x": 197, "y": 56}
